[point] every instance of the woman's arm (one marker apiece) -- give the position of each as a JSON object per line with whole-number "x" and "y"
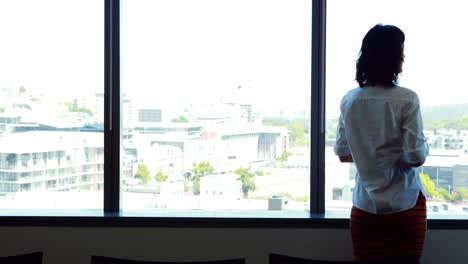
{"x": 415, "y": 148}
{"x": 341, "y": 147}
{"x": 416, "y": 164}
{"x": 348, "y": 158}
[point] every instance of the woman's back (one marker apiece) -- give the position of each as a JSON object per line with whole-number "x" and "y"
{"x": 380, "y": 130}
{"x": 378, "y": 121}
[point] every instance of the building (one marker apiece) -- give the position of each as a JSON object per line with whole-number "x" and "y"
{"x": 340, "y": 177}
{"x": 174, "y": 147}
{"x": 224, "y": 112}
{"x": 160, "y": 146}
{"x": 51, "y": 161}
{"x": 449, "y": 139}
{"x": 460, "y": 175}
{"x": 7, "y": 122}
{"x": 149, "y": 115}
{"x": 446, "y": 168}
{"x": 246, "y": 144}
{"x": 247, "y": 113}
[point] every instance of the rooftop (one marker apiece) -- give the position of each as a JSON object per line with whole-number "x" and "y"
{"x": 43, "y": 141}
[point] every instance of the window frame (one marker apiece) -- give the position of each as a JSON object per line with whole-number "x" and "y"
{"x": 112, "y": 117}
{"x": 112, "y": 216}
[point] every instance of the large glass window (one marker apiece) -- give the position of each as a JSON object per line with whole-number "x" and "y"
{"x": 216, "y": 104}
{"x": 51, "y": 104}
{"x": 434, "y": 67}
{"x": 215, "y": 100}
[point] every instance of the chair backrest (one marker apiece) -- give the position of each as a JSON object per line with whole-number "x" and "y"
{"x": 393, "y": 260}
{"x": 283, "y": 259}
{"x": 108, "y": 260}
{"x": 30, "y": 258}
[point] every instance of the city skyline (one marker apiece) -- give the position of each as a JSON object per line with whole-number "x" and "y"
{"x": 161, "y": 68}
{"x": 219, "y": 68}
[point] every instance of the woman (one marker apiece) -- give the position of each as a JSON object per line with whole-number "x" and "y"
{"x": 380, "y": 130}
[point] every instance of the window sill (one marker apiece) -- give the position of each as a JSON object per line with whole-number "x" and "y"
{"x": 199, "y": 219}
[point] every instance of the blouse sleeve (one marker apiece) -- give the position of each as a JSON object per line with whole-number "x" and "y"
{"x": 415, "y": 148}
{"x": 341, "y": 147}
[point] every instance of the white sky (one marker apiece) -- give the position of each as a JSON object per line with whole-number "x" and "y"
{"x": 435, "y": 48}
{"x": 54, "y": 46}
{"x": 186, "y": 50}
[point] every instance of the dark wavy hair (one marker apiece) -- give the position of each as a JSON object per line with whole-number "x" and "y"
{"x": 381, "y": 56}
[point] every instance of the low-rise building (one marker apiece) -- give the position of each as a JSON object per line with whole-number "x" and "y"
{"x": 52, "y": 161}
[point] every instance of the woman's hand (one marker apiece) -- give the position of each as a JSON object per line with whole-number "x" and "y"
{"x": 416, "y": 164}
{"x": 348, "y": 158}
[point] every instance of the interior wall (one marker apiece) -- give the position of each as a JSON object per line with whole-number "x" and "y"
{"x": 76, "y": 245}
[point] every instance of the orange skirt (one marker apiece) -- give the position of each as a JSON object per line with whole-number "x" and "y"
{"x": 389, "y": 235}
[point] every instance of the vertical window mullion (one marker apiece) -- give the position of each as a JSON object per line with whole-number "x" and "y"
{"x": 317, "y": 183}
{"x": 112, "y": 108}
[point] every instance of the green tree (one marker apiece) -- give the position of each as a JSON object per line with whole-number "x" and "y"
{"x": 196, "y": 185}
{"x": 457, "y": 197}
{"x": 186, "y": 187}
{"x": 22, "y": 106}
{"x": 275, "y": 121}
{"x": 298, "y": 128}
{"x": 74, "y": 109}
{"x": 303, "y": 199}
{"x": 463, "y": 192}
{"x": 247, "y": 179}
{"x": 160, "y": 176}
{"x": 283, "y": 158}
{"x": 259, "y": 173}
{"x": 143, "y": 174}
{"x": 429, "y": 185}
{"x": 180, "y": 119}
{"x": 200, "y": 169}
{"x": 445, "y": 194}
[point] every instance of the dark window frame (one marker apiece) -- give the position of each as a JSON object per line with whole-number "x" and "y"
{"x": 112, "y": 96}
{"x": 113, "y": 216}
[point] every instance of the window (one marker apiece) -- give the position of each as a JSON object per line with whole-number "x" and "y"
{"x": 209, "y": 108}
{"x": 215, "y": 104}
{"x": 435, "y": 59}
{"x": 51, "y": 88}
